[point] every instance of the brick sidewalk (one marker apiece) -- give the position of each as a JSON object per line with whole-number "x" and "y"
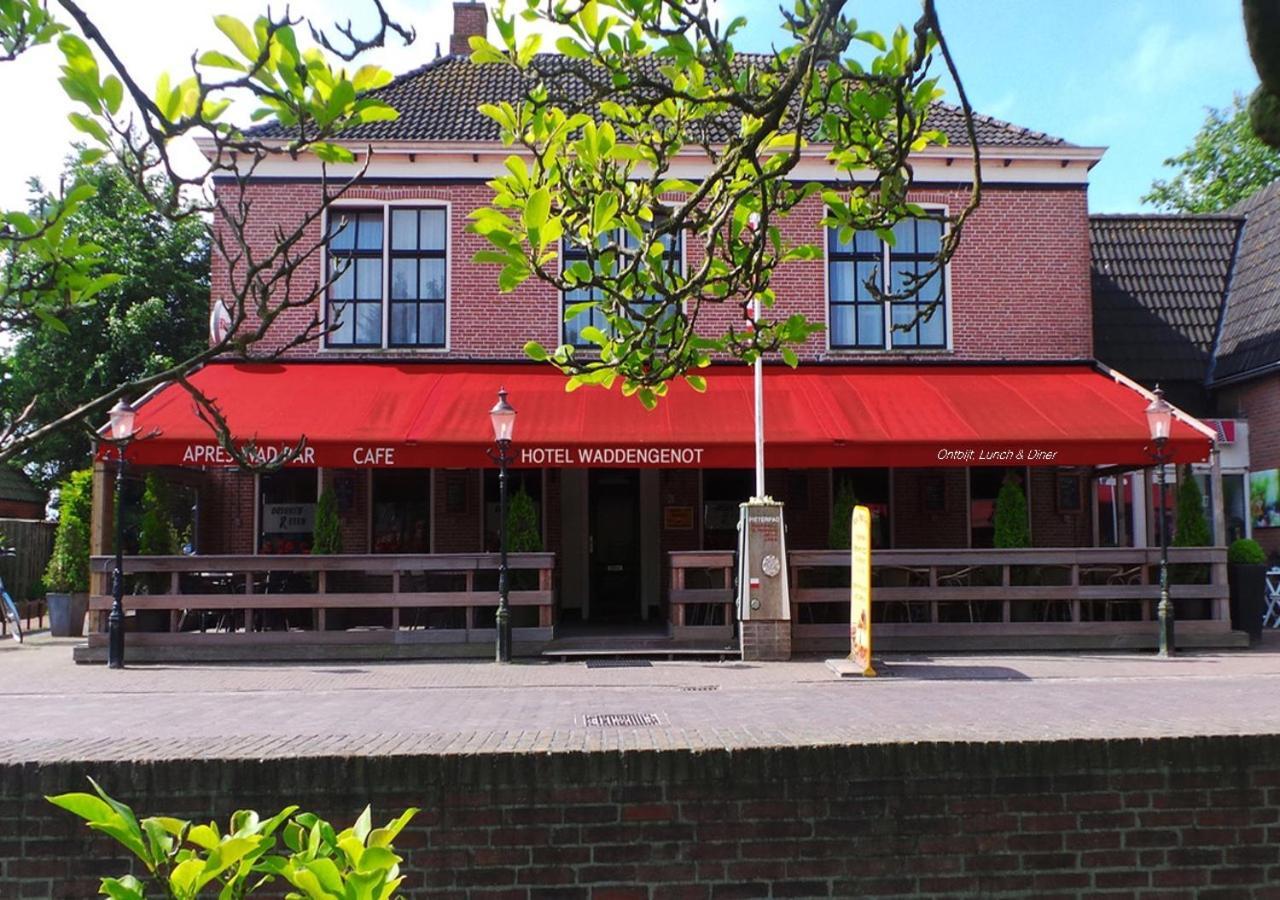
{"x": 55, "y": 710}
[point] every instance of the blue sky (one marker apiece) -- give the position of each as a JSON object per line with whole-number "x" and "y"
{"x": 1132, "y": 75}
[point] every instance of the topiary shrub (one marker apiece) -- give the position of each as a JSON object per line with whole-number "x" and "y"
{"x": 1011, "y": 524}
{"x": 157, "y": 535}
{"x": 328, "y": 531}
{"x": 1246, "y": 551}
{"x": 68, "y": 570}
{"x": 839, "y": 536}
{"x": 524, "y": 532}
{"x": 1190, "y": 529}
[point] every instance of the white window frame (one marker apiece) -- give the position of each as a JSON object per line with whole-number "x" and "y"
{"x": 930, "y": 209}
{"x": 387, "y": 206}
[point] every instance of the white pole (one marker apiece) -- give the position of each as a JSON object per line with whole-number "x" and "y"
{"x": 759, "y": 386}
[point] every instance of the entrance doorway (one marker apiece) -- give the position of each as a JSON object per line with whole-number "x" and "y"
{"x": 614, "y": 545}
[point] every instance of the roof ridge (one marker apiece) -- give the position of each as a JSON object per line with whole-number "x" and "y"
{"x": 1175, "y": 217}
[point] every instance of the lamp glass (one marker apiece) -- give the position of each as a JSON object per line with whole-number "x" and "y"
{"x": 1159, "y": 417}
{"x": 122, "y": 416}
{"x": 503, "y": 417}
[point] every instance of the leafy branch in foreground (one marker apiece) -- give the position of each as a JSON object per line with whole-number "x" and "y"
{"x": 645, "y": 93}
{"x": 311, "y": 103}
{"x": 183, "y": 860}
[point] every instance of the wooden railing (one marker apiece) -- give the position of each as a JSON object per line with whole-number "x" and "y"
{"x": 444, "y": 598}
{"x": 32, "y": 614}
{"x": 701, "y": 593}
{"x": 1081, "y": 591}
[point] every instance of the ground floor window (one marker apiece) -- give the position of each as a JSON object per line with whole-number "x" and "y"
{"x": 524, "y": 510}
{"x": 723, "y": 490}
{"x": 287, "y": 514}
{"x": 401, "y": 511}
{"x": 869, "y": 488}
{"x": 1115, "y": 509}
{"x": 984, "y": 488}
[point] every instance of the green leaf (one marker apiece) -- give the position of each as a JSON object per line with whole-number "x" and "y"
{"x": 789, "y": 357}
{"x": 86, "y": 806}
{"x": 219, "y": 60}
{"x": 239, "y": 34}
{"x": 534, "y": 351}
{"x": 594, "y": 335}
{"x": 88, "y": 126}
{"x": 697, "y": 382}
{"x": 537, "y": 209}
{"x": 126, "y": 888}
{"x": 185, "y": 876}
{"x": 112, "y": 93}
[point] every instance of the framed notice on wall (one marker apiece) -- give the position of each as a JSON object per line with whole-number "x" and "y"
{"x": 1068, "y": 493}
{"x": 677, "y": 518}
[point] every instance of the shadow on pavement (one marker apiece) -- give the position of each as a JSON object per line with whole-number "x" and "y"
{"x": 931, "y": 672}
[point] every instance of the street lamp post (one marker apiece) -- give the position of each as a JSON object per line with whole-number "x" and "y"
{"x": 122, "y": 418}
{"x": 1159, "y": 420}
{"x": 503, "y": 418}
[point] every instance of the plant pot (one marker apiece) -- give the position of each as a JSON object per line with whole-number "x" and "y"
{"x": 66, "y": 614}
{"x": 1248, "y": 584}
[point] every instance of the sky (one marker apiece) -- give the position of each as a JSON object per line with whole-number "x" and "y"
{"x": 1134, "y": 76}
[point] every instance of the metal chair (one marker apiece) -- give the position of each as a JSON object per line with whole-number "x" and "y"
{"x": 1271, "y": 618}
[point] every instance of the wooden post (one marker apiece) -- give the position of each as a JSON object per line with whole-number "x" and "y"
{"x": 1218, "y": 571}
{"x": 100, "y": 534}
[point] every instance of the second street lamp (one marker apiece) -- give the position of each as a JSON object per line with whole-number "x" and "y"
{"x": 1159, "y": 421}
{"x": 503, "y": 419}
{"x": 122, "y": 417}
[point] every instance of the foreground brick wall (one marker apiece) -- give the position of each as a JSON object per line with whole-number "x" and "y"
{"x": 1185, "y": 817}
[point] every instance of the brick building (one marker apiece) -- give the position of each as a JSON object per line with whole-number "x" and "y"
{"x": 637, "y": 510}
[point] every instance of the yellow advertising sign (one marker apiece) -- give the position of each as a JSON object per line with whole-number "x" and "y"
{"x": 860, "y": 591}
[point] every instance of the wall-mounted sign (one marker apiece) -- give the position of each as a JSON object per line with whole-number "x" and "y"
{"x": 1264, "y": 498}
{"x": 677, "y": 518}
{"x": 288, "y": 518}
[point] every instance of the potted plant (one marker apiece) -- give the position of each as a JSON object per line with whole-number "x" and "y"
{"x": 67, "y": 576}
{"x": 328, "y": 527}
{"x": 1247, "y": 580}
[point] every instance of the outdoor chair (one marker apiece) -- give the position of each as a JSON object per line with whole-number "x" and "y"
{"x": 1271, "y": 618}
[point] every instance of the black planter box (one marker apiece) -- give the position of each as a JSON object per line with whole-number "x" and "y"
{"x": 1248, "y": 583}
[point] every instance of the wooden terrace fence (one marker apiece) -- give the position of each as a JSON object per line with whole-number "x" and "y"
{"x": 33, "y": 542}
{"x": 378, "y": 599}
{"x": 957, "y": 598}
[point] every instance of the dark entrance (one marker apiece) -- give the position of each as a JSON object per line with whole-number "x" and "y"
{"x": 614, "y": 544}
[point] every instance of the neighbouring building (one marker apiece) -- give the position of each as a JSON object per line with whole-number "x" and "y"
{"x": 636, "y": 511}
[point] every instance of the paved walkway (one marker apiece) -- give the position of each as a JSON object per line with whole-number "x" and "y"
{"x": 52, "y": 709}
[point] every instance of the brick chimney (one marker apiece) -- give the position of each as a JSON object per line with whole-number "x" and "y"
{"x": 469, "y": 19}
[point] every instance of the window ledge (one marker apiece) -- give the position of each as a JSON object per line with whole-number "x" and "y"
{"x": 903, "y": 352}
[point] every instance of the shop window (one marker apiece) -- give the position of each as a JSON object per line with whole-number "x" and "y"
{"x": 401, "y": 277}
{"x": 1235, "y": 505}
{"x": 287, "y": 513}
{"x": 870, "y": 488}
{"x": 572, "y": 253}
{"x": 857, "y": 320}
{"x": 401, "y": 511}
{"x": 984, "y": 488}
{"x": 722, "y": 492}
{"x": 1115, "y": 510}
{"x": 528, "y": 481}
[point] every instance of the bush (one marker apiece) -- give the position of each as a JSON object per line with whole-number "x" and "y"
{"x": 1246, "y": 551}
{"x": 185, "y": 861}
{"x": 157, "y": 535}
{"x": 328, "y": 535}
{"x": 524, "y": 532}
{"x": 68, "y": 570}
{"x": 840, "y": 536}
{"x": 1191, "y": 528}
{"x": 1012, "y": 528}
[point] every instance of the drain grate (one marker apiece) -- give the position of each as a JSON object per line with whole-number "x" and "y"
{"x": 695, "y": 688}
{"x": 619, "y": 664}
{"x": 620, "y": 720}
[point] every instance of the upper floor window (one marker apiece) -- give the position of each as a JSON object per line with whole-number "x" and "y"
{"x": 401, "y": 280}
{"x": 859, "y": 321}
{"x": 672, "y": 254}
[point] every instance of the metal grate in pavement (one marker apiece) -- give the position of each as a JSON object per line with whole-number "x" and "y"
{"x": 620, "y": 720}
{"x": 691, "y": 688}
{"x": 619, "y": 664}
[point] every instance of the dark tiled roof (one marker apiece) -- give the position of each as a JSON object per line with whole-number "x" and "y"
{"x": 438, "y": 102}
{"x": 1158, "y": 288}
{"x": 1250, "y": 336}
{"x": 14, "y": 485}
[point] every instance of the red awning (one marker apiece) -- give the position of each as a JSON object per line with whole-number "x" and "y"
{"x": 373, "y": 414}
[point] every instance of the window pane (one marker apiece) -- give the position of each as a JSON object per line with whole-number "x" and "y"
{"x": 432, "y": 229}
{"x": 898, "y": 282}
{"x": 866, "y": 271}
{"x": 840, "y": 285}
{"x": 431, "y": 327}
{"x": 368, "y": 323}
{"x": 867, "y": 242}
{"x": 342, "y": 286}
{"x": 902, "y": 314}
{"x": 431, "y": 279}
{"x": 871, "y": 324}
{"x": 368, "y": 279}
{"x": 343, "y": 230}
{"x": 928, "y": 235}
{"x": 404, "y": 229}
{"x": 932, "y": 331}
{"x": 369, "y": 235}
{"x": 842, "y": 334}
{"x": 404, "y": 279}
{"x": 904, "y": 233}
{"x": 834, "y": 242}
{"x": 341, "y": 315}
{"x": 573, "y": 327}
{"x": 932, "y": 289}
{"x": 404, "y": 323}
